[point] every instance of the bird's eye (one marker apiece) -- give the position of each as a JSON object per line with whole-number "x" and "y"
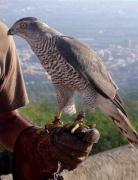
{"x": 23, "y": 25}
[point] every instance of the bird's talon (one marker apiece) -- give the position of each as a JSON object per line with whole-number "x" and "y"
{"x": 75, "y": 128}
{"x": 57, "y": 122}
{"x": 79, "y": 122}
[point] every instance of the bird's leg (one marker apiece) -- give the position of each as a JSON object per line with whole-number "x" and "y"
{"x": 79, "y": 121}
{"x": 57, "y": 121}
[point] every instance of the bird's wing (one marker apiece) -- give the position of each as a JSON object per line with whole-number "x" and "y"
{"x": 88, "y": 64}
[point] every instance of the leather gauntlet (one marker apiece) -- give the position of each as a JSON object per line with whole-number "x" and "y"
{"x": 40, "y": 154}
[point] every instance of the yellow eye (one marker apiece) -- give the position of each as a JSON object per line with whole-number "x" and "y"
{"x": 23, "y": 25}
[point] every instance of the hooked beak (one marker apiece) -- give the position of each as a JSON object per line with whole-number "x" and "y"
{"x": 10, "y": 32}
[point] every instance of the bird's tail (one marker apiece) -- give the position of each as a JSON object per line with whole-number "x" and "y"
{"x": 114, "y": 109}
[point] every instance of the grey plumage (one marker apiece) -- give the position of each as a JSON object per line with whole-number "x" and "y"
{"x": 73, "y": 66}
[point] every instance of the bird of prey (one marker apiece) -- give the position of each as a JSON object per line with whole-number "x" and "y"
{"x": 73, "y": 66}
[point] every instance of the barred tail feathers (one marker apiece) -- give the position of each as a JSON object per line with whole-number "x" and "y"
{"x": 118, "y": 115}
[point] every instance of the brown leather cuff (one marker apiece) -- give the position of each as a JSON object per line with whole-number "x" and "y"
{"x": 11, "y": 125}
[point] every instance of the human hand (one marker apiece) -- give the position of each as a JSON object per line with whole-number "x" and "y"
{"x": 44, "y": 153}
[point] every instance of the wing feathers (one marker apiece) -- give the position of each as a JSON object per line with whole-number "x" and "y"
{"x": 88, "y": 64}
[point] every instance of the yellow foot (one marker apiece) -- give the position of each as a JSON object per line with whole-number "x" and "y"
{"x": 78, "y": 124}
{"x": 59, "y": 114}
{"x": 57, "y": 122}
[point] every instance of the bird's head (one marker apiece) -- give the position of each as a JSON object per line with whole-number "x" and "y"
{"x": 28, "y": 27}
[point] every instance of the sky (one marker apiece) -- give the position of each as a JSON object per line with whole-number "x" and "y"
{"x": 85, "y": 19}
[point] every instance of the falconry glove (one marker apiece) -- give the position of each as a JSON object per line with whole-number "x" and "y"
{"x": 43, "y": 154}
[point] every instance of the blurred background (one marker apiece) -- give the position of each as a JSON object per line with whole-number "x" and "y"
{"x": 110, "y": 27}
